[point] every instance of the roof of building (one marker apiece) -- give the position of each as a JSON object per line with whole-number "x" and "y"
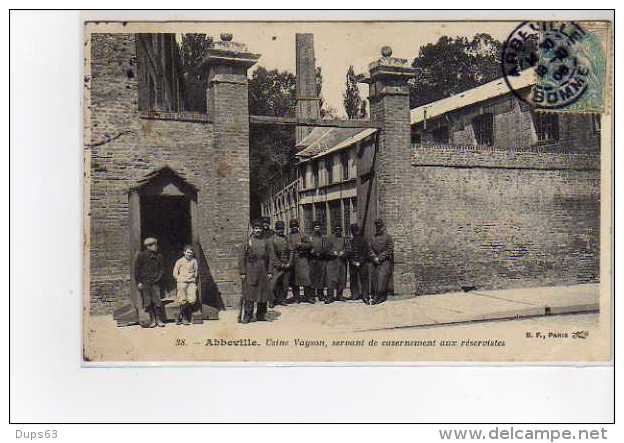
{"x": 481, "y": 93}
{"x": 162, "y": 170}
{"x": 364, "y": 133}
{"x": 323, "y": 140}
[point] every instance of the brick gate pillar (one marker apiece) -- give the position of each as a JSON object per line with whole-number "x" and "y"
{"x": 389, "y": 106}
{"x": 227, "y": 63}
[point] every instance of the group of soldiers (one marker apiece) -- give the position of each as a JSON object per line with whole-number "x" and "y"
{"x": 314, "y": 266}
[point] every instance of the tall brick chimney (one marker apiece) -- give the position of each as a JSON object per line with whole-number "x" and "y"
{"x": 308, "y": 103}
{"x": 389, "y": 106}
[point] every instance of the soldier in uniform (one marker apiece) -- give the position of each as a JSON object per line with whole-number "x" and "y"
{"x": 282, "y": 264}
{"x": 381, "y": 257}
{"x": 267, "y": 232}
{"x": 318, "y": 256}
{"x": 336, "y": 270}
{"x": 255, "y": 267}
{"x": 300, "y": 245}
{"x": 358, "y": 265}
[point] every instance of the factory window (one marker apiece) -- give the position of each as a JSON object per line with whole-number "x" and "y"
{"x": 441, "y": 135}
{"x": 321, "y": 216}
{"x": 483, "y": 126}
{"x": 335, "y": 215}
{"x": 329, "y": 168}
{"x": 344, "y": 163}
{"x": 160, "y": 73}
{"x": 307, "y": 218}
{"x": 347, "y": 215}
{"x": 151, "y": 94}
{"x": 416, "y": 139}
{"x": 315, "y": 174}
{"x": 546, "y": 126}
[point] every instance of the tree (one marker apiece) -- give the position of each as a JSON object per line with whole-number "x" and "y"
{"x": 354, "y": 106}
{"x": 271, "y": 147}
{"x": 326, "y": 112}
{"x": 272, "y": 92}
{"x": 193, "y": 49}
{"x": 453, "y": 65}
{"x": 363, "y": 112}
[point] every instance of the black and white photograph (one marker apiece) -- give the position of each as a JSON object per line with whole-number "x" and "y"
{"x": 310, "y": 217}
{"x": 347, "y": 191}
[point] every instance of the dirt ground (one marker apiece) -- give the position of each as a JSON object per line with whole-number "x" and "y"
{"x": 399, "y": 331}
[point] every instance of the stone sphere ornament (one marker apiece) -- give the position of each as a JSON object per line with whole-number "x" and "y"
{"x": 226, "y": 36}
{"x": 386, "y": 51}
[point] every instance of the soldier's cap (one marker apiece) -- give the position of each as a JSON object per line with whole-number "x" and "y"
{"x": 379, "y": 222}
{"x": 279, "y": 224}
{"x": 150, "y": 241}
{"x": 257, "y": 223}
{"x": 294, "y": 223}
{"x": 337, "y": 228}
{"x": 354, "y": 227}
{"x": 316, "y": 223}
{"x": 266, "y": 220}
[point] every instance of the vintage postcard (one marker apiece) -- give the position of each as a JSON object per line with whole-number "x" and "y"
{"x": 354, "y": 192}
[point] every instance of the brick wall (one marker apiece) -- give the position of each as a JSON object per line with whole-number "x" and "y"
{"x": 139, "y": 145}
{"x": 308, "y": 105}
{"x": 113, "y": 107}
{"x": 228, "y": 100}
{"x": 483, "y": 157}
{"x": 496, "y": 220}
{"x": 394, "y": 184}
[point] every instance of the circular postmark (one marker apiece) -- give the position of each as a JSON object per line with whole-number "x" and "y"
{"x": 541, "y": 64}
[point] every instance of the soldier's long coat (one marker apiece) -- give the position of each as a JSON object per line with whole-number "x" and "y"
{"x": 358, "y": 265}
{"x": 336, "y": 262}
{"x": 282, "y": 261}
{"x": 300, "y": 245}
{"x": 382, "y": 247}
{"x": 318, "y": 261}
{"x": 256, "y": 261}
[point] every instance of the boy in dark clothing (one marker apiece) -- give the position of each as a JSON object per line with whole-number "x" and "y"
{"x": 148, "y": 272}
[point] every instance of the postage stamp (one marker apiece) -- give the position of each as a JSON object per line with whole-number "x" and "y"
{"x": 569, "y": 64}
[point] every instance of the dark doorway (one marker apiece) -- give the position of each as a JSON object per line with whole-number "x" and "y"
{"x": 168, "y": 219}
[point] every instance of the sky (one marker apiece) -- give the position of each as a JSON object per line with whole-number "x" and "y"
{"x": 340, "y": 44}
